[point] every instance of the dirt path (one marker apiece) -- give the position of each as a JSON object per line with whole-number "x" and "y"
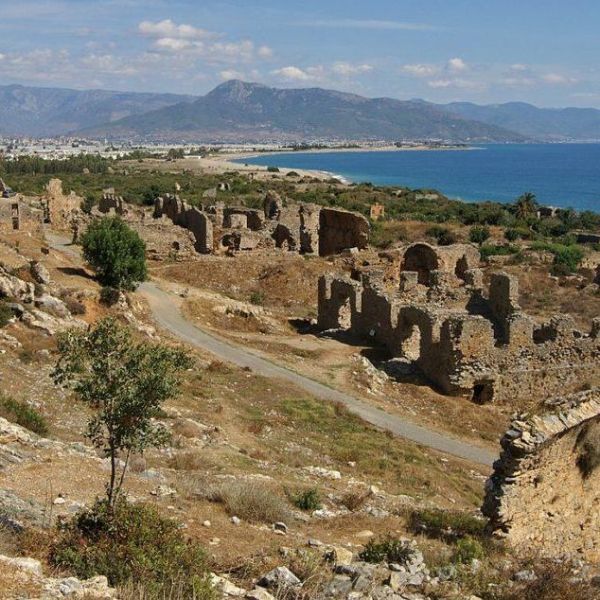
{"x": 166, "y": 309}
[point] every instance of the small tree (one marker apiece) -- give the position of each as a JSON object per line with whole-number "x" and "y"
{"x": 479, "y": 234}
{"x": 526, "y": 206}
{"x": 125, "y": 383}
{"x": 115, "y": 252}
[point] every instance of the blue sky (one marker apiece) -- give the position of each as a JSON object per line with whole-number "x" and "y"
{"x": 544, "y": 52}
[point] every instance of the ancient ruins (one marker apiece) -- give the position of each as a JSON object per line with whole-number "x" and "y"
{"x": 544, "y": 494}
{"x": 303, "y": 228}
{"x": 464, "y": 337}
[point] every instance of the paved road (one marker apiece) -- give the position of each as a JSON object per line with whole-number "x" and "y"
{"x": 166, "y": 311}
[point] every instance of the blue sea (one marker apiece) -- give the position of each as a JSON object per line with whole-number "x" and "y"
{"x": 566, "y": 175}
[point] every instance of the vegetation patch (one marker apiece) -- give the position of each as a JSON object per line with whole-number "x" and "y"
{"x": 307, "y": 499}
{"x": 133, "y": 543}
{"x": 387, "y": 549}
{"x": 23, "y": 414}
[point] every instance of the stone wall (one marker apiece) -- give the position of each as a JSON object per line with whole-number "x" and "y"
{"x": 485, "y": 348}
{"x": 61, "y": 209}
{"x": 544, "y": 494}
{"x": 188, "y": 217}
{"x": 339, "y": 230}
{"x": 110, "y": 202}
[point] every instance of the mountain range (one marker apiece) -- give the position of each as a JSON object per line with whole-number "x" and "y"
{"x": 237, "y": 111}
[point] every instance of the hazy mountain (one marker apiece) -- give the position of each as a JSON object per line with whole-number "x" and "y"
{"x": 548, "y": 124}
{"x": 238, "y": 111}
{"x": 55, "y": 111}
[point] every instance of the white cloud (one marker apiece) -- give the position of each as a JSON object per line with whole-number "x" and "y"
{"x": 519, "y": 67}
{"x": 168, "y": 29}
{"x": 265, "y": 52}
{"x": 421, "y": 70}
{"x": 347, "y": 69}
{"x": 557, "y": 79}
{"x": 457, "y": 82}
{"x": 228, "y": 74}
{"x": 292, "y": 73}
{"x": 457, "y": 65}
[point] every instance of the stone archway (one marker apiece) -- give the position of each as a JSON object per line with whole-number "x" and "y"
{"x": 421, "y": 258}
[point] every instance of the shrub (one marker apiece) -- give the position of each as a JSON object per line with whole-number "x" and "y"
{"x": 353, "y": 500}
{"x": 75, "y": 306}
{"x": 307, "y": 499}
{"x": 387, "y": 549}
{"x": 23, "y": 414}
{"x": 446, "y": 524}
{"x": 133, "y": 543}
{"x": 487, "y": 250}
{"x": 109, "y": 295}
{"x": 467, "y": 549}
{"x": 6, "y": 314}
{"x": 443, "y": 235}
{"x": 292, "y": 174}
{"x": 251, "y": 501}
{"x": 115, "y": 252}
{"x": 273, "y": 169}
{"x": 479, "y": 234}
{"x": 257, "y": 298}
{"x": 511, "y": 234}
{"x": 566, "y": 257}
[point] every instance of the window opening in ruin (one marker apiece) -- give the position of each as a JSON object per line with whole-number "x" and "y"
{"x": 462, "y": 267}
{"x": 423, "y": 260}
{"x": 411, "y": 347}
{"x": 483, "y": 392}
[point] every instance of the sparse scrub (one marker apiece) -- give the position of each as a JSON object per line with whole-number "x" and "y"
{"x": 588, "y": 443}
{"x": 387, "y": 549}
{"x": 354, "y": 499}
{"x": 23, "y": 414}
{"x": 257, "y": 298}
{"x": 75, "y": 306}
{"x": 479, "y": 234}
{"x": 467, "y": 549}
{"x": 448, "y": 525}
{"x": 6, "y": 314}
{"x": 307, "y": 499}
{"x": 130, "y": 544}
{"x": 250, "y": 500}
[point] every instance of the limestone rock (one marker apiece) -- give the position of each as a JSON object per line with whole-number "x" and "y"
{"x": 279, "y": 578}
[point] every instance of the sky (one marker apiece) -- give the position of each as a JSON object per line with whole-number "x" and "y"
{"x": 485, "y": 51}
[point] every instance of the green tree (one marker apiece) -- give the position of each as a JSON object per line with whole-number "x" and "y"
{"x": 125, "y": 383}
{"x": 116, "y": 253}
{"x": 479, "y": 234}
{"x": 526, "y": 206}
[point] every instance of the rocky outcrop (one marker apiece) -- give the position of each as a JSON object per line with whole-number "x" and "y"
{"x": 544, "y": 493}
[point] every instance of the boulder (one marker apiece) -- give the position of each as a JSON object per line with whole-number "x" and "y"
{"x": 39, "y": 272}
{"x": 53, "y": 305}
{"x": 279, "y": 578}
{"x": 13, "y": 287}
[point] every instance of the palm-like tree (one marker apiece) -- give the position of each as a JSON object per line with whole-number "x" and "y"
{"x": 526, "y": 205}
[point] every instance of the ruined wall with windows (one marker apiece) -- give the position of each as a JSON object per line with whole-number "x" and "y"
{"x": 303, "y": 228}
{"x": 466, "y": 340}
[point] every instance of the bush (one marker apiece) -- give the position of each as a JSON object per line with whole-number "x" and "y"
{"x": 23, "y": 414}
{"x": 75, "y": 306}
{"x": 446, "y": 524}
{"x": 116, "y": 253}
{"x": 479, "y": 234}
{"x": 353, "y": 500}
{"x": 467, "y": 549}
{"x": 566, "y": 257}
{"x": 512, "y": 234}
{"x": 6, "y": 314}
{"x": 443, "y": 235}
{"x": 109, "y": 295}
{"x": 307, "y": 500}
{"x": 273, "y": 169}
{"x": 488, "y": 250}
{"x": 257, "y": 298}
{"x": 132, "y": 543}
{"x": 387, "y": 549}
{"x": 251, "y": 501}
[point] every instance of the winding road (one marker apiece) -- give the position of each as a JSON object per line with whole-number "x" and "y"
{"x": 166, "y": 310}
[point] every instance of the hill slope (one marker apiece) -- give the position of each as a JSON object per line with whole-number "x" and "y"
{"x": 548, "y": 124}
{"x": 30, "y": 111}
{"x": 238, "y": 111}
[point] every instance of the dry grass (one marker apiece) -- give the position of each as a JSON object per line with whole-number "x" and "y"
{"x": 251, "y": 501}
{"x": 355, "y": 499}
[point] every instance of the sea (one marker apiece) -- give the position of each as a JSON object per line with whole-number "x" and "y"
{"x": 564, "y": 175}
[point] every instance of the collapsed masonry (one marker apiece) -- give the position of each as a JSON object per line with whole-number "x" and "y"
{"x": 464, "y": 339}
{"x": 544, "y": 494}
{"x": 111, "y": 203}
{"x": 61, "y": 210}
{"x": 303, "y": 228}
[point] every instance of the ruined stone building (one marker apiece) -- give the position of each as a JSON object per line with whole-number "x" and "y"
{"x": 60, "y": 209}
{"x": 544, "y": 494}
{"x": 111, "y": 203}
{"x": 465, "y": 339}
{"x": 303, "y": 228}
